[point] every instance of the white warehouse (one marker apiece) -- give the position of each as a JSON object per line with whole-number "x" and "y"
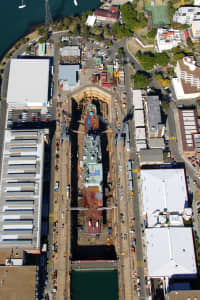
{"x": 163, "y": 192}
{"x": 28, "y": 83}
{"x": 170, "y": 252}
{"x": 21, "y": 188}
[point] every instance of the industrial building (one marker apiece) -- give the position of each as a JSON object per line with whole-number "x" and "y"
{"x": 151, "y": 156}
{"x": 170, "y": 252}
{"x": 157, "y": 143}
{"x": 21, "y": 188}
{"x": 28, "y": 83}
{"x": 68, "y": 76}
{"x": 188, "y": 126}
{"x": 159, "y": 189}
{"x": 139, "y": 118}
{"x": 70, "y": 55}
{"x": 155, "y": 128}
{"x": 70, "y": 51}
{"x": 138, "y": 99}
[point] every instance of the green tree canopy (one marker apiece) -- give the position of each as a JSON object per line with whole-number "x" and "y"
{"x": 146, "y": 59}
{"x": 151, "y": 34}
{"x": 161, "y": 59}
{"x": 149, "y": 59}
{"x": 141, "y": 80}
{"x": 131, "y": 18}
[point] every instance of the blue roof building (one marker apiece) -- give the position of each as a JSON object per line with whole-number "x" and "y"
{"x": 68, "y": 76}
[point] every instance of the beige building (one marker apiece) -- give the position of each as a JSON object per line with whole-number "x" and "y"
{"x": 187, "y": 84}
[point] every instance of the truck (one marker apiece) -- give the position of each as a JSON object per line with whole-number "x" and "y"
{"x": 56, "y": 186}
{"x": 68, "y": 191}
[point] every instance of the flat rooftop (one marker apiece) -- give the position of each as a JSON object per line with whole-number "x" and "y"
{"x": 137, "y": 99}
{"x": 28, "y": 83}
{"x": 21, "y": 188}
{"x": 163, "y": 189}
{"x": 170, "y": 252}
{"x": 17, "y": 282}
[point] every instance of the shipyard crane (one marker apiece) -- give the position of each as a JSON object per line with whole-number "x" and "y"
{"x": 119, "y": 131}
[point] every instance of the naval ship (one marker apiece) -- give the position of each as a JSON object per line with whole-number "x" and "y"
{"x": 91, "y": 172}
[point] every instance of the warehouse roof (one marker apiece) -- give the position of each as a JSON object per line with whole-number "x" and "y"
{"x": 140, "y": 133}
{"x": 163, "y": 189}
{"x": 139, "y": 118}
{"x": 18, "y": 282}
{"x": 28, "y": 82}
{"x": 137, "y": 99}
{"x": 70, "y": 51}
{"x": 21, "y": 189}
{"x": 69, "y": 73}
{"x": 170, "y": 251}
{"x": 153, "y": 112}
{"x": 151, "y": 156}
{"x": 189, "y": 126}
{"x": 156, "y": 143}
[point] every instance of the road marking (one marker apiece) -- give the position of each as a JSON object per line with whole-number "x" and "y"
{"x": 172, "y": 137}
{"x": 140, "y": 264}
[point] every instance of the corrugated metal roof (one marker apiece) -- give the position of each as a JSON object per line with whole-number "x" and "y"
{"x": 151, "y": 156}
{"x": 69, "y": 73}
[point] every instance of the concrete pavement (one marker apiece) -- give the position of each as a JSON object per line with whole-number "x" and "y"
{"x": 136, "y": 204}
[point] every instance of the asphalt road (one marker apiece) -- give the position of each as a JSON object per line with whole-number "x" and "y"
{"x": 53, "y": 153}
{"x": 136, "y": 205}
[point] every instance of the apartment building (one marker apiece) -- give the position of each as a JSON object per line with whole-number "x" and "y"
{"x": 187, "y": 83}
{"x": 187, "y": 14}
{"x": 166, "y": 39}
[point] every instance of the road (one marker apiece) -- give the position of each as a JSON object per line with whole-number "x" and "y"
{"x": 136, "y": 205}
{"x": 123, "y": 196}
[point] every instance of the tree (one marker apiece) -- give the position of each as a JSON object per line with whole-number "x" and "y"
{"x": 152, "y": 34}
{"x": 161, "y": 59}
{"x": 146, "y": 59}
{"x": 67, "y": 22}
{"x": 76, "y": 29}
{"x": 165, "y": 106}
{"x": 41, "y": 30}
{"x": 141, "y": 80}
{"x": 177, "y": 56}
{"x": 121, "y": 52}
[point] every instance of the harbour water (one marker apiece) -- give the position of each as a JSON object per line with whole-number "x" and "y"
{"x": 15, "y": 22}
{"x": 94, "y": 285}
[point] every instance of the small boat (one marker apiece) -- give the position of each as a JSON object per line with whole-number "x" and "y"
{"x": 75, "y": 2}
{"x": 22, "y": 5}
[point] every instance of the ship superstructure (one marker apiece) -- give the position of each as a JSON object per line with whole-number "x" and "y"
{"x": 92, "y": 172}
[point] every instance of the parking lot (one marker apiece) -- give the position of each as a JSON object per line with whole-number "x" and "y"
{"x": 27, "y": 117}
